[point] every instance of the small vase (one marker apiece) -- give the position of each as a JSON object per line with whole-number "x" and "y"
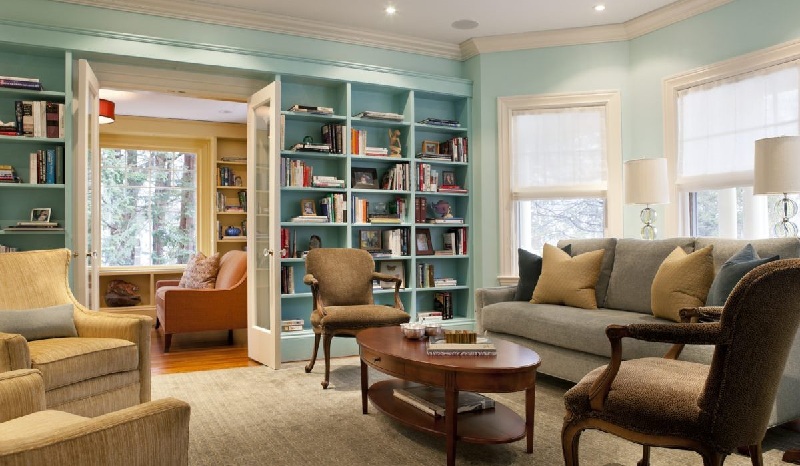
{"x": 233, "y": 231}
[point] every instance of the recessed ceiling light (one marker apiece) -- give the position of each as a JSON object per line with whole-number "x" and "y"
{"x": 390, "y": 10}
{"x": 464, "y": 24}
{"x": 599, "y": 7}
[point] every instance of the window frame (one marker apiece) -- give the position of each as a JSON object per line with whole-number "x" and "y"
{"x": 205, "y": 191}
{"x": 611, "y": 192}
{"x": 677, "y": 216}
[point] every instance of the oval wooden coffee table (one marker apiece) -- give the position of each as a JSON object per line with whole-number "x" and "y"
{"x": 512, "y": 370}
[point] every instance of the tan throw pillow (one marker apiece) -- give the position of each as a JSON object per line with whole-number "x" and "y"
{"x": 682, "y": 281}
{"x": 568, "y": 280}
{"x": 201, "y": 271}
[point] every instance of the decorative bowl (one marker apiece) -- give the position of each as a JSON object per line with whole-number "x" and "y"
{"x": 413, "y": 331}
{"x": 433, "y": 329}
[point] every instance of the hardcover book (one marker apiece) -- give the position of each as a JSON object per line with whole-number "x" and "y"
{"x": 431, "y": 400}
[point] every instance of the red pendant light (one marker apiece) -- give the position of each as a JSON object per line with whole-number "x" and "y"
{"x": 106, "y": 111}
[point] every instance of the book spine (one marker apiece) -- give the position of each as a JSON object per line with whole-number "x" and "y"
{"x": 51, "y": 120}
{"x": 50, "y": 169}
{"x": 20, "y": 84}
{"x": 33, "y": 168}
{"x": 59, "y": 165}
{"x": 18, "y": 114}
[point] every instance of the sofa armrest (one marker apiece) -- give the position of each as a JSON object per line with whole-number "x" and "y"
{"x": 134, "y": 328}
{"x": 14, "y": 352}
{"x": 157, "y": 431}
{"x": 491, "y": 295}
{"x": 21, "y": 393}
{"x": 193, "y": 310}
{"x": 161, "y": 283}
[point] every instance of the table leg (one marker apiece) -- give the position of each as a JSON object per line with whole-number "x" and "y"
{"x": 530, "y": 408}
{"x": 364, "y": 386}
{"x": 450, "y": 417}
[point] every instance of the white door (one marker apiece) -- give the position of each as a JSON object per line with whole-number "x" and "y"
{"x": 86, "y": 195}
{"x": 263, "y": 229}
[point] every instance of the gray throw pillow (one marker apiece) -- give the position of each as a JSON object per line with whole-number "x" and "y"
{"x": 530, "y": 267}
{"x": 731, "y": 272}
{"x": 38, "y": 324}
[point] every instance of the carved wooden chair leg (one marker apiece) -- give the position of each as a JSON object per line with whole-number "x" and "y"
{"x": 313, "y": 361}
{"x": 791, "y": 456}
{"x": 570, "y": 440}
{"x": 755, "y": 455}
{"x": 326, "y": 349}
{"x": 645, "y": 461}
{"x": 158, "y": 323}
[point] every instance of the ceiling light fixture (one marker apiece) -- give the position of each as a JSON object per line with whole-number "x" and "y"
{"x": 106, "y": 114}
{"x": 390, "y": 10}
{"x": 599, "y": 7}
{"x": 464, "y": 24}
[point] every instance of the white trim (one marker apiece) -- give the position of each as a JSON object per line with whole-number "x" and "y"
{"x": 560, "y": 192}
{"x": 676, "y": 218}
{"x": 612, "y": 191}
{"x": 256, "y": 20}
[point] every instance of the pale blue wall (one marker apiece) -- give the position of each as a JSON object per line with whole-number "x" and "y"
{"x": 636, "y": 68}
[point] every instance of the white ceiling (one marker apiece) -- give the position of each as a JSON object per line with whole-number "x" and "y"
{"x": 421, "y": 20}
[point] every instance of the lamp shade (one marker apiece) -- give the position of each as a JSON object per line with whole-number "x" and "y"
{"x": 776, "y": 169}
{"x": 646, "y": 181}
{"x": 106, "y": 113}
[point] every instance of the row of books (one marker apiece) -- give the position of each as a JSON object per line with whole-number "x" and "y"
{"x": 288, "y": 244}
{"x": 426, "y": 277}
{"x": 46, "y": 166}
{"x": 4, "y": 248}
{"x": 398, "y": 178}
{"x": 443, "y": 303}
{"x": 237, "y": 205}
{"x": 292, "y": 325}
{"x": 296, "y": 173}
{"x": 396, "y": 241}
{"x": 456, "y": 148}
{"x": 431, "y": 400}
{"x": 427, "y": 178}
{"x": 15, "y": 82}
{"x": 287, "y": 279}
{"x": 226, "y": 177}
{"x": 334, "y": 207}
{"x": 36, "y": 118}
{"x": 454, "y": 242}
{"x": 332, "y": 135}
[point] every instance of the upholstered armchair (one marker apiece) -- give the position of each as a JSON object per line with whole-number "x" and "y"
{"x": 91, "y": 362}
{"x": 341, "y": 287}
{"x": 223, "y": 307}
{"x": 711, "y": 409}
{"x": 152, "y": 433}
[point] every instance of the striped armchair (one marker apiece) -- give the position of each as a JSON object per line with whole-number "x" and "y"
{"x": 104, "y": 368}
{"x": 152, "y": 433}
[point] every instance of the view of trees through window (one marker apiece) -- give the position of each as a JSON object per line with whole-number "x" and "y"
{"x": 706, "y": 215}
{"x": 149, "y": 207}
{"x": 549, "y": 220}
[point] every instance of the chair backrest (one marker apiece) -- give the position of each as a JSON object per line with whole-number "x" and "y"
{"x": 344, "y": 275}
{"x": 34, "y": 279}
{"x": 758, "y": 326}
{"x": 232, "y": 269}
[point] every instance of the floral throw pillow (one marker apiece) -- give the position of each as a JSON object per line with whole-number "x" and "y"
{"x": 201, "y": 271}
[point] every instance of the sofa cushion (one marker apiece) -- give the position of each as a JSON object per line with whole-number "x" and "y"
{"x": 530, "y": 267}
{"x": 568, "y": 280}
{"x": 575, "y": 329}
{"x": 65, "y": 361}
{"x": 682, "y": 281}
{"x": 731, "y": 272}
{"x": 609, "y": 245}
{"x": 36, "y": 324}
{"x": 201, "y": 271}
{"x": 724, "y": 249}
{"x": 636, "y": 262}
{"x": 232, "y": 267}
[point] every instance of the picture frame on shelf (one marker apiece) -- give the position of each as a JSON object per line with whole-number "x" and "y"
{"x": 430, "y": 147}
{"x": 364, "y": 178}
{"x": 422, "y": 239}
{"x": 396, "y": 268}
{"x": 369, "y": 239}
{"x": 308, "y": 207}
{"x": 449, "y": 178}
{"x": 40, "y": 214}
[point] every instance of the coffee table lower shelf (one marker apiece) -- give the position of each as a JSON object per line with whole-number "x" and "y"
{"x": 490, "y": 426}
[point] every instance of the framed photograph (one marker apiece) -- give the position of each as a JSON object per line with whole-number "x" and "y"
{"x": 364, "y": 178}
{"x": 396, "y": 268}
{"x": 423, "y": 241}
{"x": 40, "y": 214}
{"x": 430, "y": 147}
{"x": 448, "y": 178}
{"x": 369, "y": 239}
{"x": 308, "y": 207}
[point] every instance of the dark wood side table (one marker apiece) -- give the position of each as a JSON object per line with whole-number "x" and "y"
{"x": 513, "y": 369}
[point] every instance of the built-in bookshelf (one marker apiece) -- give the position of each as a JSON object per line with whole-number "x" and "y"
{"x": 40, "y": 155}
{"x": 386, "y": 208}
{"x": 230, "y": 194}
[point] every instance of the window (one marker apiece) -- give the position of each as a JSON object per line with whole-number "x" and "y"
{"x": 560, "y": 171}
{"x": 148, "y": 206}
{"x": 714, "y": 118}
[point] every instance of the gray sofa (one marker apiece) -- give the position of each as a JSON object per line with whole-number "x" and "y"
{"x": 572, "y": 341}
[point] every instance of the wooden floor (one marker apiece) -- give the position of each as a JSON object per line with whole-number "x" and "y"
{"x": 196, "y": 352}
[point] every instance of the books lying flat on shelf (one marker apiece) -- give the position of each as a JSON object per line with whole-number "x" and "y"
{"x": 428, "y": 316}
{"x": 234, "y": 159}
{"x": 312, "y": 147}
{"x": 379, "y": 115}
{"x": 440, "y": 348}
{"x": 431, "y": 400}
{"x": 16, "y": 228}
{"x": 37, "y": 224}
{"x": 310, "y": 219}
{"x": 445, "y": 281}
{"x": 446, "y": 220}
{"x": 385, "y": 220}
{"x": 441, "y": 122}
{"x": 311, "y": 109}
{"x": 292, "y": 325}
{"x": 448, "y": 188}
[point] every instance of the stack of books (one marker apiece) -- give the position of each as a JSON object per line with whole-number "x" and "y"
{"x": 34, "y": 226}
{"x": 311, "y": 147}
{"x": 431, "y": 400}
{"x": 292, "y": 325}
{"x": 441, "y": 122}
{"x": 376, "y": 151}
{"x": 311, "y": 109}
{"x": 379, "y": 115}
{"x": 8, "y": 174}
{"x": 326, "y": 182}
{"x": 14, "y": 82}
{"x": 310, "y": 219}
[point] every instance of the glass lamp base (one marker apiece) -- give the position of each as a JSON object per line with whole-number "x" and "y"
{"x": 787, "y": 208}
{"x": 648, "y": 216}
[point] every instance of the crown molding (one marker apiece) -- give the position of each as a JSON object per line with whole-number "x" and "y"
{"x": 249, "y": 19}
{"x": 636, "y": 27}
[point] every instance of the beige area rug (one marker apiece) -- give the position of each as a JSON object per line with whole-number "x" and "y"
{"x": 259, "y": 416}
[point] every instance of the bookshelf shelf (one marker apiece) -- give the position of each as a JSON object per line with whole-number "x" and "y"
{"x": 32, "y": 186}
{"x": 351, "y": 99}
{"x": 30, "y": 139}
{"x": 230, "y": 179}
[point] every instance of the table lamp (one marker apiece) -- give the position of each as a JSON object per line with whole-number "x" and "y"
{"x": 776, "y": 170}
{"x": 646, "y": 183}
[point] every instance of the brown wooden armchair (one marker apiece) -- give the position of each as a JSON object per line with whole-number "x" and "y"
{"x": 341, "y": 286}
{"x": 714, "y": 409}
